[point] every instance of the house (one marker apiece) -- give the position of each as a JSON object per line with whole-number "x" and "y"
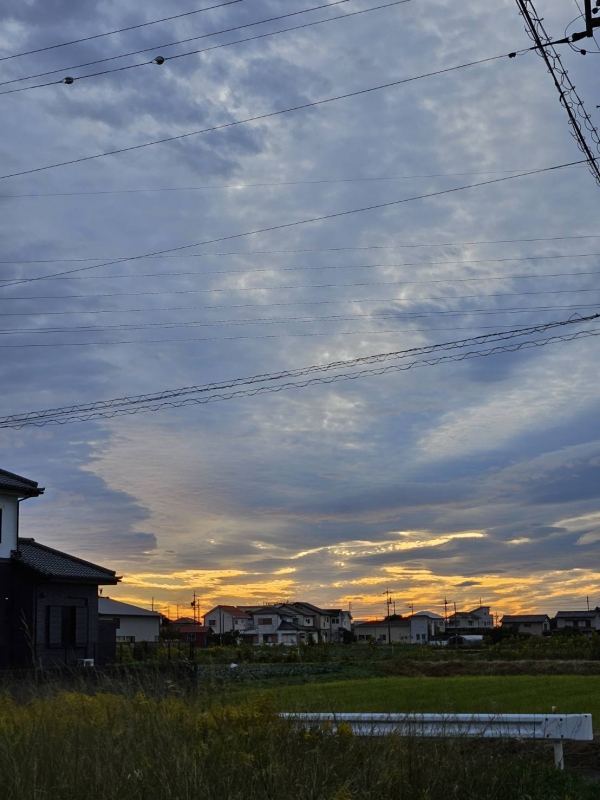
{"x": 535, "y": 624}
{"x": 585, "y": 621}
{"x": 393, "y": 631}
{"x": 133, "y": 624}
{"x": 49, "y": 602}
{"x": 188, "y": 630}
{"x": 479, "y": 617}
{"x": 275, "y": 625}
{"x": 227, "y": 619}
{"x": 418, "y": 628}
{"x": 341, "y": 624}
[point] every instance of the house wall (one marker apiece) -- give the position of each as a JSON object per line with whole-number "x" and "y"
{"x": 419, "y": 630}
{"x": 9, "y": 531}
{"x": 582, "y": 622}
{"x": 82, "y": 596}
{"x": 136, "y": 629}
{"x": 398, "y": 633}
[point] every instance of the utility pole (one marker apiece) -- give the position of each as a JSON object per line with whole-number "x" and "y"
{"x": 389, "y": 602}
{"x": 570, "y": 100}
{"x": 588, "y": 602}
{"x": 445, "y": 611}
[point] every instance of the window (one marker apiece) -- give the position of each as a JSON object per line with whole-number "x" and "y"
{"x": 265, "y": 620}
{"x": 270, "y": 638}
{"x": 126, "y": 639}
{"x": 527, "y": 624}
{"x": 67, "y": 625}
{"x": 295, "y": 620}
{"x": 383, "y": 637}
{"x": 335, "y": 621}
{"x": 307, "y": 621}
{"x": 190, "y": 637}
{"x": 212, "y": 622}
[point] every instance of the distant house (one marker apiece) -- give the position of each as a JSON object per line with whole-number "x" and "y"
{"x": 133, "y": 624}
{"x": 188, "y": 630}
{"x": 49, "y": 602}
{"x": 273, "y": 625}
{"x": 227, "y": 619}
{"x": 418, "y": 628}
{"x": 585, "y": 621}
{"x": 479, "y": 617}
{"x": 535, "y": 624}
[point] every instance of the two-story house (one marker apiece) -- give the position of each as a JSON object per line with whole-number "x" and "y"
{"x": 585, "y": 621}
{"x": 476, "y": 619}
{"x": 273, "y": 625}
{"x": 48, "y": 599}
{"x": 227, "y": 619}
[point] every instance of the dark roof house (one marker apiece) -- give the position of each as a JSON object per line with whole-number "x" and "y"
{"x": 49, "y": 606}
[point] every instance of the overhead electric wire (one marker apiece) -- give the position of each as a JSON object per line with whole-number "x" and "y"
{"x": 204, "y": 49}
{"x": 569, "y": 98}
{"x": 161, "y": 46}
{"x": 272, "y": 381}
{"x": 348, "y": 317}
{"x": 119, "y": 30}
{"x": 326, "y": 267}
{"x": 120, "y": 259}
{"x": 236, "y": 186}
{"x": 260, "y": 117}
{"x": 297, "y": 223}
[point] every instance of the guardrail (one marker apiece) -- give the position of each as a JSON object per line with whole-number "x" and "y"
{"x": 556, "y": 728}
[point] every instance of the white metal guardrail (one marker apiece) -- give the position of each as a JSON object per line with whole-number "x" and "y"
{"x": 556, "y": 728}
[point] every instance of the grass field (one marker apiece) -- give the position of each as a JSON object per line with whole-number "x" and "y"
{"x": 483, "y": 694}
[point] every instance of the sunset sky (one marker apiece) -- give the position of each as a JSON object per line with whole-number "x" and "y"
{"x": 473, "y": 481}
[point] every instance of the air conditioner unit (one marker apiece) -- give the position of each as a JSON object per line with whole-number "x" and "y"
{"x": 85, "y": 662}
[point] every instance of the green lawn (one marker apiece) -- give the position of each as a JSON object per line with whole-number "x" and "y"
{"x": 492, "y": 694}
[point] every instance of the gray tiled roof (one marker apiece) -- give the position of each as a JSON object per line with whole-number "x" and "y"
{"x": 9, "y": 482}
{"x": 106, "y": 605}
{"x": 55, "y": 564}
{"x": 573, "y": 614}
{"x": 510, "y": 618}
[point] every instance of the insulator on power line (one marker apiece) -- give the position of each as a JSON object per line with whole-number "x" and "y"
{"x": 68, "y": 80}
{"x": 159, "y": 60}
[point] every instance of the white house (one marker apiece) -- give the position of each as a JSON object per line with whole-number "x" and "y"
{"x": 274, "y": 625}
{"x": 227, "y": 619}
{"x": 479, "y": 617}
{"x": 419, "y": 628}
{"x": 134, "y": 624}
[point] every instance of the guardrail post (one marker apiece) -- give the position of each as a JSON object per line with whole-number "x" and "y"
{"x": 559, "y": 756}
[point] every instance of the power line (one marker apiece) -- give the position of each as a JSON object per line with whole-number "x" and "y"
{"x": 569, "y": 98}
{"x": 258, "y": 185}
{"x": 248, "y": 337}
{"x": 154, "y": 48}
{"x": 326, "y": 267}
{"x": 134, "y": 404}
{"x": 298, "y": 250}
{"x": 120, "y": 30}
{"x": 162, "y": 59}
{"x": 259, "y": 117}
{"x": 287, "y": 225}
{"x": 393, "y": 314}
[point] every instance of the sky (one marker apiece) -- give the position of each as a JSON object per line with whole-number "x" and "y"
{"x": 474, "y": 482}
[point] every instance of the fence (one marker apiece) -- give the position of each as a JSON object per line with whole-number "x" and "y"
{"x": 556, "y": 728}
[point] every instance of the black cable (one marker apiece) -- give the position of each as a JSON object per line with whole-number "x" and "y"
{"x": 132, "y": 405}
{"x": 498, "y": 336}
{"x": 171, "y": 44}
{"x": 325, "y": 267}
{"x": 287, "y": 225}
{"x": 392, "y": 314}
{"x": 120, "y": 30}
{"x": 205, "y": 49}
{"x": 297, "y": 287}
{"x": 330, "y": 334}
{"x": 260, "y": 117}
{"x": 261, "y": 185}
{"x": 299, "y": 250}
